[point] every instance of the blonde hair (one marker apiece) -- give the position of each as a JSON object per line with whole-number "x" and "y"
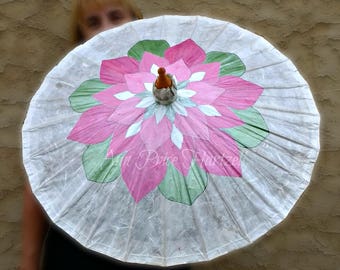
{"x": 81, "y": 5}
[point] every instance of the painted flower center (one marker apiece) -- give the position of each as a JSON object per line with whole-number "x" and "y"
{"x": 192, "y": 120}
{"x": 164, "y": 88}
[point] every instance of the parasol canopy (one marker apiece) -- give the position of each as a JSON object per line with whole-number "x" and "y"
{"x": 171, "y": 140}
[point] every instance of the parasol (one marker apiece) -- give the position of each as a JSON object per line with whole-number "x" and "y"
{"x": 171, "y": 140}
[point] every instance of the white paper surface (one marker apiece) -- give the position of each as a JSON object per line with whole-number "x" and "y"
{"x": 231, "y": 213}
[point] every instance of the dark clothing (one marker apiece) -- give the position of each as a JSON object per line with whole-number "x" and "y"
{"x": 63, "y": 253}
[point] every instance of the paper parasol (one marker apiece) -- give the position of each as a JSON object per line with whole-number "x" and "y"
{"x": 171, "y": 140}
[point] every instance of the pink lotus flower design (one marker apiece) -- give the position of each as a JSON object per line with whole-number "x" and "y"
{"x": 159, "y": 145}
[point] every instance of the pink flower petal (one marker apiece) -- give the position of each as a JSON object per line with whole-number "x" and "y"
{"x": 142, "y": 171}
{"x": 212, "y": 71}
{"x": 188, "y": 50}
{"x": 149, "y": 60}
{"x": 120, "y": 144}
{"x": 179, "y": 70}
{"x": 107, "y": 98}
{"x": 228, "y": 119}
{"x": 112, "y": 71}
{"x": 238, "y": 94}
{"x": 180, "y": 158}
{"x": 93, "y": 126}
{"x": 219, "y": 156}
{"x": 154, "y": 135}
{"x": 127, "y": 113}
{"x": 205, "y": 92}
{"x": 193, "y": 125}
{"x": 135, "y": 82}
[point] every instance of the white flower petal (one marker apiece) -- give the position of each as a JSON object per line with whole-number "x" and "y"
{"x": 124, "y": 95}
{"x": 174, "y": 78}
{"x": 145, "y": 102}
{"x": 160, "y": 112}
{"x": 176, "y": 137}
{"x": 197, "y": 76}
{"x": 186, "y": 93}
{"x": 148, "y": 86}
{"x": 209, "y": 110}
{"x": 179, "y": 108}
{"x": 154, "y": 69}
{"x": 134, "y": 129}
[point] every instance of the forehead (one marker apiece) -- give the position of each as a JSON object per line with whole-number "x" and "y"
{"x": 90, "y": 6}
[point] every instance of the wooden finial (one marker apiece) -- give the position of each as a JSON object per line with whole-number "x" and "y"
{"x": 163, "y": 80}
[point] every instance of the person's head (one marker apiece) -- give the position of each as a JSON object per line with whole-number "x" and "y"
{"x": 91, "y": 17}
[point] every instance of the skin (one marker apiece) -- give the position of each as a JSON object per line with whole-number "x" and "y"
{"x": 99, "y": 20}
{"x": 35, "y": 222}
{"x": 34, "y": 228}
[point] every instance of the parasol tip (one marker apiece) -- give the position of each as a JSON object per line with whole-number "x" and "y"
{"x": 163, "y": 80}
{"x": 161, "y": 71}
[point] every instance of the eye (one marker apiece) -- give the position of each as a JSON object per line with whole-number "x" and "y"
{"x": 115, "y": 16}
{"x": 93, "y": 22}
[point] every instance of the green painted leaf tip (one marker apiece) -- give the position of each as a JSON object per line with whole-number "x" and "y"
{"x": 183, "y": 189}
{"x": 156, "y": 47}
{"x": 231, "y": 64}
{"x": 253, "y": 132}
{"x": 97, "y": 166}
{"x": 82, "y": 100}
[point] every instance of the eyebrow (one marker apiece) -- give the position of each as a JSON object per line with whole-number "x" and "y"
{"x": 115, "y": 12}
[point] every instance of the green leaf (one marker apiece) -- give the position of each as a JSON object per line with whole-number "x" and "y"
{"x": 231, "y": 64}
{"x": 82, "y": 100}
{"x": 98, "y": 167}
{"x": 156, "y": 47}
{"x": 253, "y": 132}
{"x": 183, "y": 189}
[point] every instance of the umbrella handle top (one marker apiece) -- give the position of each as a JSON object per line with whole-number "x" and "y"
{"x": 163, "y": 80}
{"x": 164, "y": 88}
